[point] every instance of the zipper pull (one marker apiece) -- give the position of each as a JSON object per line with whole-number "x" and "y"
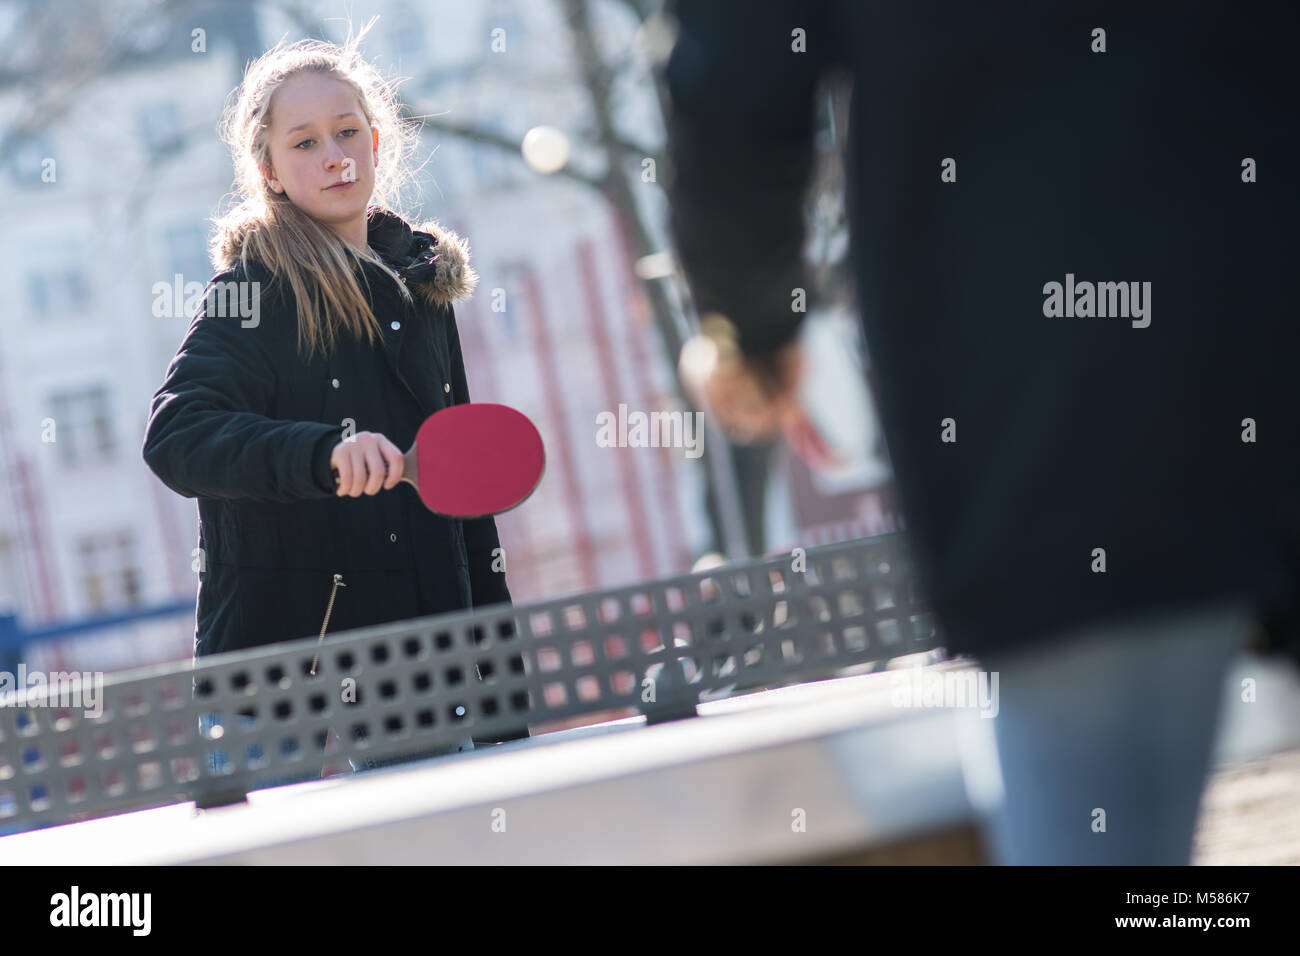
{"x": 338, "y": 583}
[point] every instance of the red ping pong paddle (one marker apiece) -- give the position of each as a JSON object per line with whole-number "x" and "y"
{"x": 472, "y": 460}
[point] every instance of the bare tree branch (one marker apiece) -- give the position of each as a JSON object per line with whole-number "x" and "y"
{"x": 504, "y": 142}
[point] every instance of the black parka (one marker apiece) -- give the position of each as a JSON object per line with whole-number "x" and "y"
{"x": 246, "y": 424}
{"x": 1056, "y": 470}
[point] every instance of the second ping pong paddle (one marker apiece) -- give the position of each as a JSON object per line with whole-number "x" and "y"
{"x": 472, "y": 460}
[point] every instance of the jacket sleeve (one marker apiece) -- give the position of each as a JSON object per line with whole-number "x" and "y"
{"x": 740, "y": 150}
{"x": 209, "y": 435}
{"x": 481, "y": 543}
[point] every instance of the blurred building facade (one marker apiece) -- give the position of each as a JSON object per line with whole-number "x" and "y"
{"x": 114, "y": 171}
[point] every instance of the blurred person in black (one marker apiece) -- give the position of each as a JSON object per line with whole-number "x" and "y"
{"x": 1103, "y": 504}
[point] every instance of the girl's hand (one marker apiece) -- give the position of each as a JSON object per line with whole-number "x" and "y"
{"x": 366, "y": 463}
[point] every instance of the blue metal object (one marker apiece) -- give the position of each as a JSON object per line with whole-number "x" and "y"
{"x": 13, "y": 636}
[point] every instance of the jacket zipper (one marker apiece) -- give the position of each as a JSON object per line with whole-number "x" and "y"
{"x": 338, "y": 583}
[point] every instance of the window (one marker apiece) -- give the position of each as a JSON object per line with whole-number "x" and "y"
{"x": 145, "y": 29}
{"x": 11, "y": 571}
{"x": 11, "y": 18}
{"x": 406, "y": 34}
{"x": 187, "y": 252}
{"x": 160, "y": 125}
{"x": 509, "y": 319}
{"x": 494, "y": 168}
{"x": 506, "y": 16}
{"x": 110, "y": 577}
{"x": 83, "y": 430}
{"x": 27, "y": 158}
{"x": 57, "y": 291}
{"x": 487, "y": 167}
{"x": 447, "y": 172}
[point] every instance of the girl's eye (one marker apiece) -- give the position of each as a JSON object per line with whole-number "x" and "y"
{"x": 351, "y": 131}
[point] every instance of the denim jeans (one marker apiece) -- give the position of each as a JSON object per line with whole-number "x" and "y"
{"x": 1103, "y": 739}
{"x": 217, "y": 751}
{"x": 218, "y": 755}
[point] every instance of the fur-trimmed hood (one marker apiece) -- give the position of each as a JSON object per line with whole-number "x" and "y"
{"x": 432, "y": 261}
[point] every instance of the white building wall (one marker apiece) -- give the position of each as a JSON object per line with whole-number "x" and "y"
{"x": 127, "y": 224}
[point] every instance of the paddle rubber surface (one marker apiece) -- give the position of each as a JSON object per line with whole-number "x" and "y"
{"x": 478, "y": 459}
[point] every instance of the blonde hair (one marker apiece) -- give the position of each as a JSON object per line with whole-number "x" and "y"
{"x": 266, "y": 226}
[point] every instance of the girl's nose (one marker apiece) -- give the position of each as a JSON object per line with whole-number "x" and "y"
{"x": 334, "y": 156}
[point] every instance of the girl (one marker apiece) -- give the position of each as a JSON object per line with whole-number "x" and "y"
{"x": 325, "y": 339}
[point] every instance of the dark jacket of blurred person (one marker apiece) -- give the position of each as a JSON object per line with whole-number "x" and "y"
{"x": 1072, "y": 165}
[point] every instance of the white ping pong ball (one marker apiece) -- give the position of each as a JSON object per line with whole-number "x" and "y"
{"x": 545, "y": 149}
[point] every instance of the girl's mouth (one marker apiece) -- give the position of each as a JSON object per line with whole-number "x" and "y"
{"x": 343, "y": 185}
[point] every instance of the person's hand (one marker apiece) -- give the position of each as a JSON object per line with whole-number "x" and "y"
{"x": 747, "y": 399}
{"x": 366, "y": 463}
{"x": 750, "y": 400}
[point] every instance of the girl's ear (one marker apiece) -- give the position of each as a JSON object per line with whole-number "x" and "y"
{"x": 374, "y": 139}
{"x": 268, "y": 173}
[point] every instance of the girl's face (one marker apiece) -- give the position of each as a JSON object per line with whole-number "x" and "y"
{"x": 319, "y": 139}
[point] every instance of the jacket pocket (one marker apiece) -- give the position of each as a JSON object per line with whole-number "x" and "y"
{"x": 328, "y": 534}
{"x": 283, "y": 535}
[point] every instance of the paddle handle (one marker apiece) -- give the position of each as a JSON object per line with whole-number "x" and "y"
{"x": 410, "y": 469}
